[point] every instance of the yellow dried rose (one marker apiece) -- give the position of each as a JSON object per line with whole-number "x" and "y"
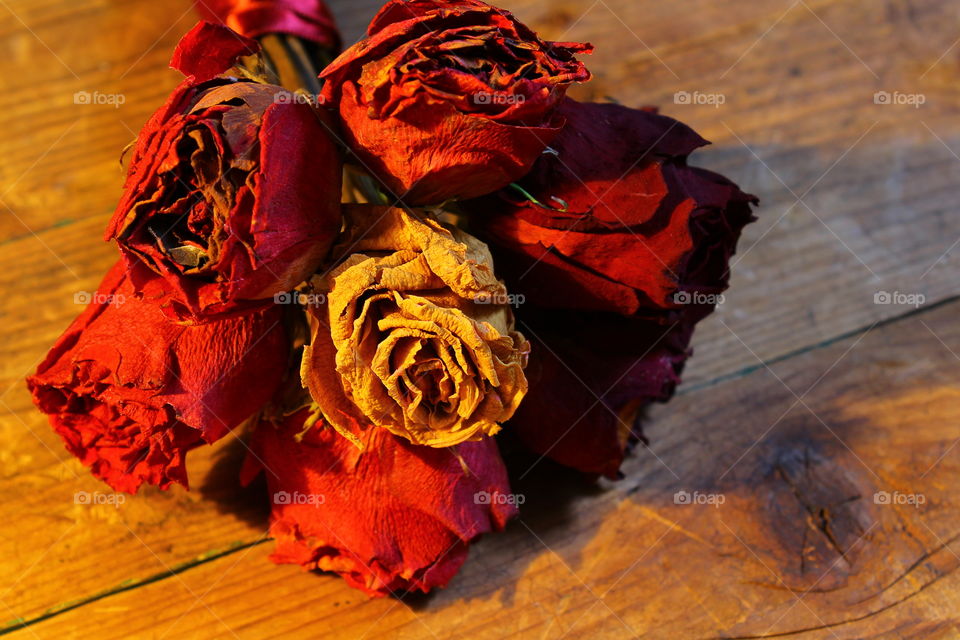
{"x": 407, "y": 335}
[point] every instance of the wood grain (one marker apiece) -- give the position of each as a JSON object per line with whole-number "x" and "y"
{"x": 857, "y": 198}
{"x": 797, "y": 544}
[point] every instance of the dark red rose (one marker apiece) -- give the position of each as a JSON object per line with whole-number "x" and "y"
{"x": 618, "y": 221}
{"x": 590, "y": 375}
{"x": 131, "y": 392}
{"x": 450, "y": 99}
{"x": 395, "y": 517}
{"x": 619, "y": 248}
{"x": 307, "y": 19}
{"x": 233, "y": 192}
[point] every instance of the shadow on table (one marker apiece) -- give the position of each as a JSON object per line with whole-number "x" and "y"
{"x": 221, "y": 486}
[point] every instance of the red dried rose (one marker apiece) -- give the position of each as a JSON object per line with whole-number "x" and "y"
{"x": 590, "y": 376}
{"x": 628, "y": 248}
{"x": 450, "y": 99}
{"x": 618, "y": 221}
{"x": 395, "y": 517}
{"x": 233, "y": 192}
{"x": 131, "y": 392}
{"x": 307, "y": 19}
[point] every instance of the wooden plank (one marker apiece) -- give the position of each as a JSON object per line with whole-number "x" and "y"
{"x": 795, "y": 541}
{"x": 61, "y": 159}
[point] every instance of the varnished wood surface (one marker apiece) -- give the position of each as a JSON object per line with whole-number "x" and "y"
{"x": 804, "y": 399}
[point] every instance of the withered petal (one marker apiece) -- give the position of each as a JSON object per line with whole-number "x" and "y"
{"x": 392, "y": 518}
{"x": 209, "y": 49}
{"x": 307, "y": 19}
{"x": 616, "y": 220}
{"x": 131, "y": 392}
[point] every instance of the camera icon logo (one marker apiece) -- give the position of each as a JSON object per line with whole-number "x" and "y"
{"x": 82, "y": 97}
{"x": 882, "y": 97}
{"x": 682, "y": 297}
{"x": 682, "y": 497}
{"x": 882, "y": 297}
{"x": 281, "y": 497}
{"x": 81, "y": 497}
{"x": 481, "y": 497}
{"x": 82, "y": 297}
{"x": 682, "y": 97}
{"x": 881, "y": 497}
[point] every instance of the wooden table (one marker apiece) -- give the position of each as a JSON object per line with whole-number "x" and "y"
{"x": 806, "y": 406}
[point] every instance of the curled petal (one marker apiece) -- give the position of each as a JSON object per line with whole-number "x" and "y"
{"x": 307, "y": 19}
{"x": 209, "y": 50}
{"x": 616, "y": 220}
{"x": 131, "y": 392}
{"x": 394, "y": 517}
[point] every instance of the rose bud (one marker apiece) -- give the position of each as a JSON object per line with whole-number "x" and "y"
{"x": 615, "y": 220}
{"x": 307, "y": 19}
{"x": 450, "y": 99}
{"x": 414, "y": 333}
{"x": 233, "y": 191}
{"x": 392, "y": 518}
{"x": 131, "y": 392}
{"x": 590, "y": 376}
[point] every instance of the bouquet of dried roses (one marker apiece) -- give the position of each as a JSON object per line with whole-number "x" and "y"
{"x": 380, "y": 269}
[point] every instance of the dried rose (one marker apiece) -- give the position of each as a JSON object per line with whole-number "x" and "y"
{"x": 619, "y": 248}
{"x": 233, "y": 192}
{"x": 393, "y": 517}
{"x": 615, "y": 220}
{"x": 131, "y": 392}
{"x": 414, "y": 334}
{"x": 307, "y": 19}
{"x": 590, "y": 376}
{"x": 450, "y": 99}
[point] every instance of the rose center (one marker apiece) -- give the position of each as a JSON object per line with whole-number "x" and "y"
{"x": 195, "y": 198}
